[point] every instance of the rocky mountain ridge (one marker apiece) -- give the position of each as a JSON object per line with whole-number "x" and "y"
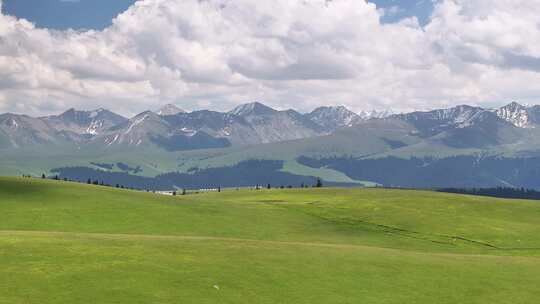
{"x": 251, "y": 124}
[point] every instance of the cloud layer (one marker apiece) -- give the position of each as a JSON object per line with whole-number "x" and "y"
{"x": 288, "y": 53}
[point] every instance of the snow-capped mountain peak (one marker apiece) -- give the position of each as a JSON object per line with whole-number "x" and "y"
{"x": 84, "y": 122}
{"x": 96, "y": 113}
{"x": 373, "y": 114}
{"x": 516, "y": 114}
{"x": 169, "y": 109}
{"x": 254, "y": 108}
{"x": 333, "y": 117}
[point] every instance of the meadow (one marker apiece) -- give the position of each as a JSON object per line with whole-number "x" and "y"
{"x": 75, "y": 243}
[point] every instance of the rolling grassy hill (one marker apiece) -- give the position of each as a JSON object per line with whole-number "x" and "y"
{"x": 74, "y": 243}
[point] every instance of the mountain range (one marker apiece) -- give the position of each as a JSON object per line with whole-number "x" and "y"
{"x": 252, "y": 124}
{"x": 248, "y": 124}
{"x": 312, "y": 144}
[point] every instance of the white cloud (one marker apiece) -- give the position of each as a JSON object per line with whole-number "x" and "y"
{"x": 288, "y": 53}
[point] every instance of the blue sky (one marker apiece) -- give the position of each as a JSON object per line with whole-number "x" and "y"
{"x": 98, "y": 14}
{"x": 63, "y": 14}
{"x": 406, "y": 8}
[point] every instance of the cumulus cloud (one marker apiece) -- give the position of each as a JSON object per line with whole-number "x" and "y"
{"x": 500, "y": 33}
{"x": 287, "y": 53}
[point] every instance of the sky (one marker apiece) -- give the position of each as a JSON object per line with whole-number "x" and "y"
{"x": 98, "y": 14}
{"x": 130, "y": 56}
{"x": 66, "y": 14}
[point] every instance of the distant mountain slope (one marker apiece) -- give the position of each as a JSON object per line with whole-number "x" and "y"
{"x": 462, "y": 127}
{"x": 333, "y": 118}
{"x": 84, "y": 122}
{"x": 436, "y": 121}
{"x": 252, "y": 109}
{"x": 466, "y": 171}
{"x": 519, "y": 115}
{"x": 169, "y": 109}
{"x": 21, "y": 130}
{"x": 248, "y": 124}
{"x": 255, "y": 123}
{"x": 216, "y": 124}
{"x": 136, "y": 131}
{"x": 273, "y": 126}
{"x": 375, "y": 114}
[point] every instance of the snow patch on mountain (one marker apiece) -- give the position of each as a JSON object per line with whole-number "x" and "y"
{"x": 13, "y": 123}
{"x": 374, "y": 114}
{"x": 94, "y": 127}
{"x": 112, "y": 141}
{"x": 84, "y": 122}
{"x": 95, "y": 113}
{"x": 516, "y": 114}
{"x": 332, "y": 118}
{"x": 137, "y": 121}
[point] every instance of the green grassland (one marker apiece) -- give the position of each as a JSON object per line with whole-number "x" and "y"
{"x": 151, "y": 161}
{"x": 74, "y": 243}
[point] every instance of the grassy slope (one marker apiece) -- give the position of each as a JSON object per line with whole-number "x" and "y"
{"x": 152, "y": 161}
{"x": 35, "y": 161}
{"x": 62, "y": 242}
{"x": 329, "y": 175}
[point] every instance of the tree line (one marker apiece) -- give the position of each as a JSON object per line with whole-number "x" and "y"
{"x": 501, "y": 192}
{"x": 244, "y": 175}
{"x": 96, "y": 182}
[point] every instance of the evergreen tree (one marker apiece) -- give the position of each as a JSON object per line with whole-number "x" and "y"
{"x": 43, "y": 176}
{"x": 319, "y": 183}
